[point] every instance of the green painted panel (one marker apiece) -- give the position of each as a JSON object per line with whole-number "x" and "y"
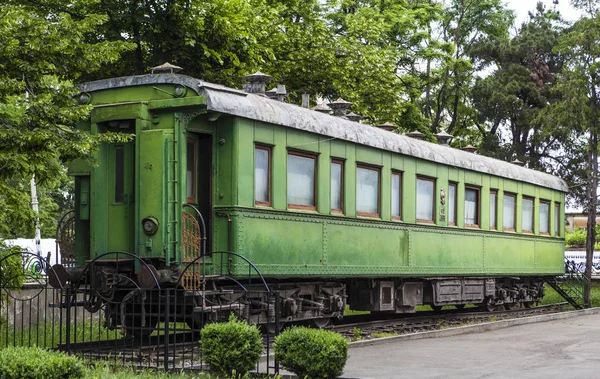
{"x": 511, "y": 253}
{"x": 151, "y": 195}
{"x": 453, "y": 174}
{"x": 120, "y": 112}
{"x": 473, "y": 178}
{"x": 409, "y": 208}
{"x": 445, "y": 250}
{"x": 244, "y": 132}
{"x": 528, "y": 189}
{"x": 279, "y": 170}
{"x": 442, "y": 209}
{"x": 385, "y": 197}
{"x": 357, "y": 245}
{"x": 350, "y": 182}
{"x": 397, "y": 162}
{"x": 324, "y": 180}
{"x": 224, "y": 176}
{"x": 426, "y": 169}
{"x": 263, "y": 133}
{"x": 338, "y": 149}
{"x": 510, "y": 186}
{"x": 368, "y": 155}
{"x": 494, "y": 182}
{"x": 545, "y": 254}
{"x": 300, "y": 140}
{"x": 288, "y": 241}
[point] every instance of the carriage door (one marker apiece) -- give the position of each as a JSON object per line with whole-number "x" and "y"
{"x": 199, "y": 177}
{"x": 121, "y": 199}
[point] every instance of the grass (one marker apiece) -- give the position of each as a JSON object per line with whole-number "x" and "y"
{"x": 350, "y": 312}
{"x": 105, "y": 371}
{"x": 383, "y": 334}
{"x": 49, "y": 335}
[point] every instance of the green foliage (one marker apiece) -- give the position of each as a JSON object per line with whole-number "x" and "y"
{"x": 38, "y": 363}
{"x": 231, "y": 348}
{"x": 11, "y": 269}
{"x": 576, "y": 237}
{"x": 312, "y": 353}
{"x": 357, "y": 334}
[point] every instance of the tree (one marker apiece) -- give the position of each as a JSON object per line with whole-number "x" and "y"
{"x": 579, "y": 110}
{"x": 512, "y": 97}
{"x": 42, "y": 54}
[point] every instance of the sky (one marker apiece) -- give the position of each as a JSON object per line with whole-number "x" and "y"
{"x": 521, "y": 8}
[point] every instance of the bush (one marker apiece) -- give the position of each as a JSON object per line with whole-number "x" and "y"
{"x": 37, "y": 363}
{"x": 311, "y": 353}
{"x": 231, "y": 348}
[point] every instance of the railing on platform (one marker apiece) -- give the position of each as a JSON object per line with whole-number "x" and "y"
{"x": 571, "y": 285}
{"x": 156, "y": 328}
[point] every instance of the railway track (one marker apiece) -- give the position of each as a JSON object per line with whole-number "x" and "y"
{"x": 360, "y": 327}
{"x": 182, "y": 349}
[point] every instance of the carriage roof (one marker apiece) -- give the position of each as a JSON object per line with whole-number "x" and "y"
{"x": 256, "y": 107}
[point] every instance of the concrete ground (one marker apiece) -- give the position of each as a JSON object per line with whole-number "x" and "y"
{"x": 565, "y": 348}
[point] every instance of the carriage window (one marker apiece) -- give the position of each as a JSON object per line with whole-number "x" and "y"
{"x": 471, "y": 206}
{"x": 337, "y": 186}
{"x": 119, "y": 174}
{"x": 367, "y": 191}
{"x": 510, "y": 209}
{"x": 301, "y": 180}
{"x": 452, "y": 204}
{"x": 262, "y": 175}
{"x": 557, "y": 219}
{"x": 396, "y": 196}
{"x": 425, "y": 198}
{"x": 527, "y": 214}
{"x": 544, "y": 217}
{"x": 493, "y": 208}
{"x": 191, "y": 171}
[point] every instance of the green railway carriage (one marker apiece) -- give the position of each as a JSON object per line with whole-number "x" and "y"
{"x": 329, "y": 211}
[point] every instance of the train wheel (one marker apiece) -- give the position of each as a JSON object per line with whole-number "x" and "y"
{"x": 508, "y": 306}
{"x": 436, "y": 308}
{"x": 528, "y": 304}
{"x": 489, "y": 305}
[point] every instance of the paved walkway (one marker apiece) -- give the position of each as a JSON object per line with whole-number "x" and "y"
{"x": 568, "y": 348}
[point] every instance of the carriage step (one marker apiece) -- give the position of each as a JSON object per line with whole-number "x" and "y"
{"x": 207, "y": 292}
{"x": 216, "y": 308}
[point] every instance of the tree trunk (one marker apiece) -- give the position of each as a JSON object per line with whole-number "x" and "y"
{"x": 592, "y": 192}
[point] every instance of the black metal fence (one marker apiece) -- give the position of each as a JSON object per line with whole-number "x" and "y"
{"x": 155, "y": 328}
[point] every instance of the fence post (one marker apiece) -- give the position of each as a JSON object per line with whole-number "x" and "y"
{"x": 166, "y": 327}
{"x": 277, "y": 326}
{"x": 68, "y": 320}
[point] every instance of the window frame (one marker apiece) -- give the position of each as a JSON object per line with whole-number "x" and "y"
{"x": 495, "y": 226}
{"x": 428, "y": 179}
{"x": 455, "y": 185}
{"x": 514, "y": 196}
{"x": 378, "y": 170}
{"x": 341, "y": 163}
{"x": 557, "y": 218}
{"x": 549, "y": 216}
{"x": 194, "y": 198}
{"x": 269, "y": 150}
{"x": 525, "y": 197}
{"x": 399, "y": 174}
{"x": 478, "y": 205}
{"x": 316, "y": 175}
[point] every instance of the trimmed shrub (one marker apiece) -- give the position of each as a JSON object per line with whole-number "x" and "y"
{"x": 312, "y": 353}
{"x": 38, "y": 363}
{"x": 231, "y": 348}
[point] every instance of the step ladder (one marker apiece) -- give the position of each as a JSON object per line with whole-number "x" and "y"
{"x": 571, "y": 285}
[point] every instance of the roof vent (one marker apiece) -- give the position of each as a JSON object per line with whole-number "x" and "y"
{"x": 416, "y": 135}
{"x": 444, "y": 138}
{"x": 166, "y": 68}
{"x": 255, "y": 83}
{"x": 272, "y": 93}
{"x": 281, "y": 92}
{"x": 340, "y": 107}
{"x": 518, "y": 163}
{"x": 321, "y": 106}
{"x": 387, "y": 126}
{"x": 469, "y": 149}
{"x": 354, "y": 117}
{"x": 305, "y": 100}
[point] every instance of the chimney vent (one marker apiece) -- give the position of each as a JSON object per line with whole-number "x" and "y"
{"x": 387, "y": 126}
{"x": 166, "y": 68}
{"x": 255, "y": 83}
{"x": 340, "y": 107}
{"x": 272, "y": 93}
{"x": 281, "y": 92}
{"x": 444, "y": 138}
{"x": 416, "y": 135}
{"x": 469, "y": 149}
{"x": 518, "y": 163}
{"x": 354, "y": 117}
{"x": 305, "y": 100}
